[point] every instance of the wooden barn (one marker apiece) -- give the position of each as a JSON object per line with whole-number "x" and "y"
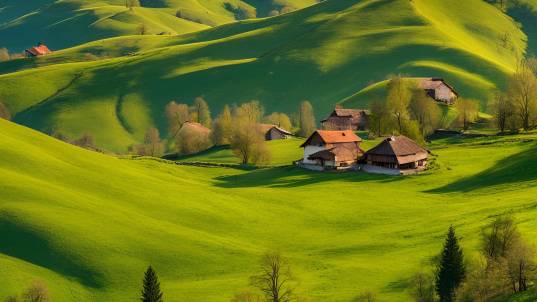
{"x": 438, "y": 90}
{"x": 39, "y": 50}
{"x": 346, "y": 119}
{"x": 395, "y": 155}
{"x": 331, "y": 150}
{"x": 273, "y": 132}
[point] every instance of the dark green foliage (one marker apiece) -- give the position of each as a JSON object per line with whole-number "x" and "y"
{"x": 451, "y": 270}
{"x": 151, "y": 290}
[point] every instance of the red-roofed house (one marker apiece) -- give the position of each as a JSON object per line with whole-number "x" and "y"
{"x": 39, "y": 50}
{"x": 331, "y": 150}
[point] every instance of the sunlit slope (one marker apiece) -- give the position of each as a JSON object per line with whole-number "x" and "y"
{"x": 324, "y": 53}
{"x": 62, "y": 24}
{"x": 89, "y": 224}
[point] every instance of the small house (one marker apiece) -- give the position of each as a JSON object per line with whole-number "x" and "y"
{"x": 346, "y": 119}
{"x": 439, "y": 90}
{"x": 395, "y": 155}
{"x": 39, "y": 50}
{"x": 331, "y": 150}
{"x": 273, "y": 132}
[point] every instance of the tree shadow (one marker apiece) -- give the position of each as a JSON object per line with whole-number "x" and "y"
{"x": 520, "y": 167}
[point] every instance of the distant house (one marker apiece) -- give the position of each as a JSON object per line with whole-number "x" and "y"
{"x": 346, "y": 119}
{"x": 331, "y": 150}
{"x": 39, "y": 50}
{"x": 273, "y": 132}
{"x": 438, "y": 90}
{"x": 395, "y": 155}
{"x": 197, "y": 127}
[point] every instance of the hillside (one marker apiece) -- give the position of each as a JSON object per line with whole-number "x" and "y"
{"x": 324, "y": 53}
{"x": 90, "y": 237}
{"x": 64, "y": 24}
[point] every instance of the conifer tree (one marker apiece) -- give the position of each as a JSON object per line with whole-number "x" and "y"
{"x": 451, "y": 271}
{"x": 151, "y": 288}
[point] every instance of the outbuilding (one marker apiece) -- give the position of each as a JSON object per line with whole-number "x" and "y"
{"x": 273, "y": 132}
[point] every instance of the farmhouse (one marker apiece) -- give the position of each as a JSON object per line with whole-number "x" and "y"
{"x": 395, "y": 155}
{"x": 346, "y": 119}
{"x": 331, "y": 150}
{"x": 273, "y": 132}
{"x": 39, "y": 50}
{"x": 438, "y": 90}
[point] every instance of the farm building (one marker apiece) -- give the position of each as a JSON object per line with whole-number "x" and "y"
{"x": 395, "y": 155}
{"x": 346, "y": 119}
{"x": 39, "y": 50}
{"x": 273, "y": 132}
{"x": 438, "y": 90}
{"x": 331, "y": 150}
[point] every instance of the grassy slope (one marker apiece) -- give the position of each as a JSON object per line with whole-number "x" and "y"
{"x": 75, "y": 219}
{"x": 323, "y": 53}
{"x": 64, "y": 24}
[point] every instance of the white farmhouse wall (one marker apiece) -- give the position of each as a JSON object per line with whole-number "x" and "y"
{"x": 309, "y": 150}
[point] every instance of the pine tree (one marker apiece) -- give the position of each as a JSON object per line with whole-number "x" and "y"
{"x": 151, "y": 290}
{"x": 451, "y": 271}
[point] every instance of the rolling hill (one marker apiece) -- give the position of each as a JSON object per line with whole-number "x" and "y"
{"x": 64, "y": 24}
{"x": 88, "y": 224}
{"x": 116, "y": 88}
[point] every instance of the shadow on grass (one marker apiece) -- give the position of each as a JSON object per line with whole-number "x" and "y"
{"x": 30, "y": 246}
{"x": 289, "y": 177}
{"x": 515, "y": 168}
{"x": 213, "y": 149}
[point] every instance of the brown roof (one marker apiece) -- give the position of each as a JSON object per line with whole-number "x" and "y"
{"x": 349, "y": 112}
{"x": 401, "y": 147}
{"x": 39, "y": 50}
{"x": 266, "y": 128}
{"x": 433, "y": 83}
{"x": 195, "y": 126}
{"x": 341, "y": 152}
{"x": 333, "y": 137}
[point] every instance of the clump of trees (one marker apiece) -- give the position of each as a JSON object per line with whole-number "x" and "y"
{"x": 132, "y": 3}
{"x": 467, "y": 112}
{"x": 279, "y": 119}
{"x": 151, "y": 287}
{"x": 4, "y": 54}
{"x": 36, "y": 292}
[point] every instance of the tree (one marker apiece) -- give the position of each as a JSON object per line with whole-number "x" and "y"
{"x": 306, "y": 119}
{"x": 425, "y": 111}
{"x": 222, "y": 127}
{"x": 499, "y": 237}
{"x": 467, "y": 111}
{"x": 451, "y": 270}
{"x": 201, "y": 113}
{"x": 423, "y": 287}
{"x": 251, "y": 112}
{"x": 177, "y": 115}
{"x": 274, "y": 278}
{"x": 4, "y": 112}
{"x": 36, "y": 292}
{"x": 192, "y": 138}
{"x": 279, "y": 119}
{"x": 248, "y": 142}
{"x": 379, "y": 117}
{"x": 11, "y": 299}
{"x": 142, "y": 29}
{"x": 151, "y": 287}
{"x": 85, "y": 141}
{"x": 522, "y": 92}
{"x": 153, "y": 144}
{"x": 399, "y": 96}
{"x": 132, "y": 3}
{"x": 4, "y": 54}
{"x": 503, "y": 112}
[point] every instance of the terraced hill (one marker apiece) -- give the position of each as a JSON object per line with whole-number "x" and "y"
{"x": 89, "y": 224}
{"x": 64, "y": 24}
{"x": 324, "y": 53}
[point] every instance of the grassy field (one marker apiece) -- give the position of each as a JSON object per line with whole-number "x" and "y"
{"x": 89, "y": 224}
{"x": 324, "y": 53}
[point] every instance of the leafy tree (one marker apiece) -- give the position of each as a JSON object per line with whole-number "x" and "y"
{"x": 151, "y": 287}
{"x": 423, "y": 287}
{"x": 154, "y": 146}
{"x": 306, "y": 119}
{"x": 36, "y": 292}
{"x": 425, "y": 111}
{"x": 274, "y": 278}
{"x": 250, "y": 112}
{"x": 522, "y": 92}
{"x": 222, "y": 127}
{"x": 248, "y": 142}
{"x": 279, "y": 119}
{"x": 399, "y": 96}
{"x": 4, "y": 112}
{"x": 467, "y": 111}
{"x": 200, "y": 112}
{"x": 379, "y": 117}
{"x": 451, "y": 270}
{"x": 192, "y": 139}
{"x": 177, "y": 115}
{"x": 504, "y": 112}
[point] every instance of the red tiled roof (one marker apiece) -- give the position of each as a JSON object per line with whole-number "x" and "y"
{"x": 39, "y": 50}
{"x": 333, "y": 137}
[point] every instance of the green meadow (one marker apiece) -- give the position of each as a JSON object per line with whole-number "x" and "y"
{"x": 330, "y": 52}
{"x": 89, "y": 224}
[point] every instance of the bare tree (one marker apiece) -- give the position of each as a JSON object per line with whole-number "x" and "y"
{"x": 36, "y": 292}
{"x": 306, "y": 119}
{"x": 177, "y": 115}
{"x": 522, "y": 92}
{"x": 520, "y": 262}
{"x": 467, "y": 111}
{"x": 499, "y": 237}
{"x": 504, "y": 112}
{"x": 399, "y": 96}
{"x": 222, "y": 127}
{"x": 154, "y": 146}
{"x": 423, "y": 287}
{"x": 4, "y": 112}
{"x": 275, "y": 278}
{"x": 200, "y": 112}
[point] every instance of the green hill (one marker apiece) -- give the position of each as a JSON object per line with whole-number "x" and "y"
{"x": 324, "y": 53}
{"x": 62, "y": 24}
{"x": 89, "y": 224}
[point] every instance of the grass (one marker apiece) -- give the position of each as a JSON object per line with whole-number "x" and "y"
{"x": 89, "y": 224}
{"x": 324, "y": 53}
